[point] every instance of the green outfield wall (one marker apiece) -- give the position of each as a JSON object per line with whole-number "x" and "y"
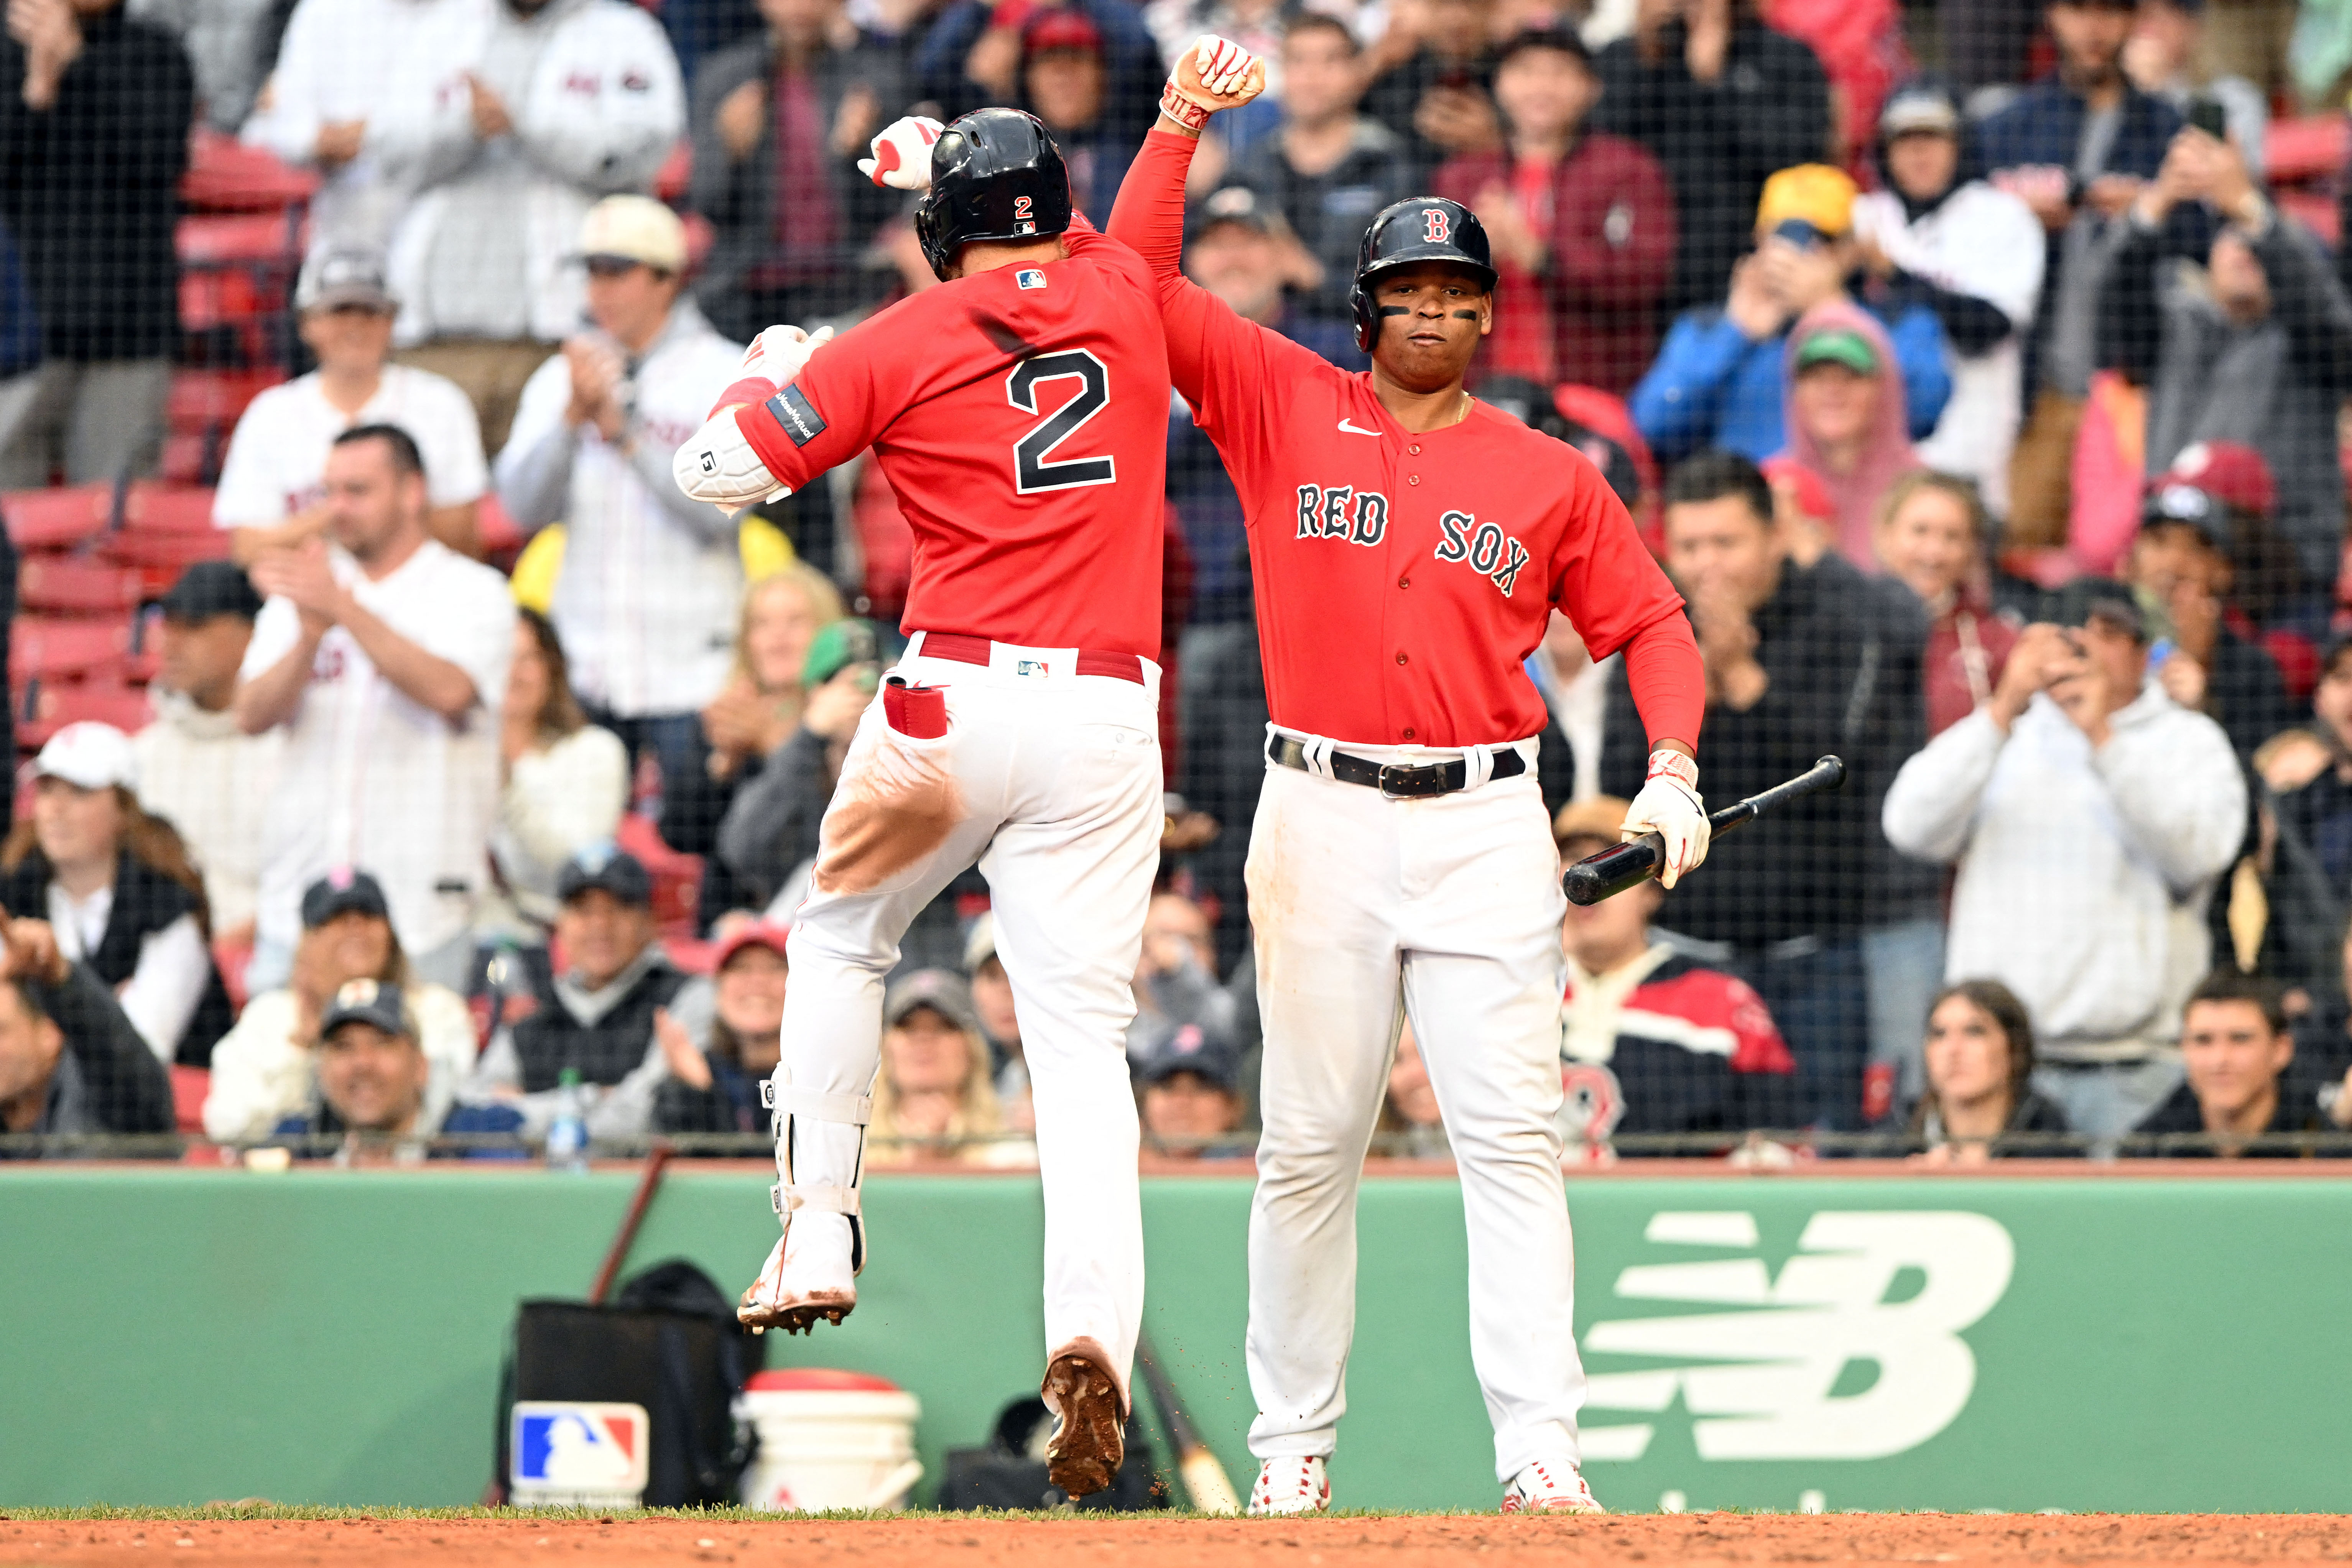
{"x": 2104, "y": 1342}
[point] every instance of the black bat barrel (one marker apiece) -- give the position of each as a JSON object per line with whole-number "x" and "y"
{"x": 1613, "y": 870}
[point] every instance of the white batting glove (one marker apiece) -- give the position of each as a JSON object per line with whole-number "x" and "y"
{"x": 720, "y": 466}
{"x": 779, "y": 353}
{"x": 1670, "y": 807}
{"x": 1213, "y": 74}
{"x": 902, "y": 154}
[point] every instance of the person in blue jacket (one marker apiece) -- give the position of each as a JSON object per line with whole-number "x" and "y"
{"x": 1718, "y": 380}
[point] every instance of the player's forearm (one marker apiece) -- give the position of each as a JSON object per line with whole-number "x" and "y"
{"x": 1668, "y": 680}
{"x": 1150, "y": 212}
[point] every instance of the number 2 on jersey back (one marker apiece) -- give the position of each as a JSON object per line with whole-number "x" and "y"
{"x": 1030, "y": 471}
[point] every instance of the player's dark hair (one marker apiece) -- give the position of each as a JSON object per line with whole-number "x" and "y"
{"x": 2230, "y": 986}
{"x": 1711, "y": 475}
{"x": 1999, "y": 1003}
{"x": 405, "y": 458}
{"x": 1321, "y": 22}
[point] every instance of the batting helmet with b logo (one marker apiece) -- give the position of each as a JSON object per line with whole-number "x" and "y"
{"x": 1420, "y": 229}
{"x": 996, "y": 174}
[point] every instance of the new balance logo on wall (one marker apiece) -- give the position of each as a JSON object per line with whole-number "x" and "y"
{"x": 1761, "y": 1376}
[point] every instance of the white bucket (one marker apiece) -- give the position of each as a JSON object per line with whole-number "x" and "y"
{"x": 829, "y": 1440}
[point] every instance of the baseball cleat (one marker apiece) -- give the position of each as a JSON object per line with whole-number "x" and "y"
{"x": 793, "y": 1292}
{"x": 1089, "y": 1440}
{"x": 1549, "y": 1485}
{"x": 1292, "y": 1483}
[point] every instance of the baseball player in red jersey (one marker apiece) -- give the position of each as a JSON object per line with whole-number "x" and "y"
{"x": 1020, "y": 411}
{"x": 1409, "y": 544}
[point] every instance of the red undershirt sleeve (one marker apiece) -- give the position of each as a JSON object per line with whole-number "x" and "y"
{"x": 1668, "y": 680}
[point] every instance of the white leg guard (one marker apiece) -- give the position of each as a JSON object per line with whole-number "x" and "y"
{"x": 820, "y": 1161}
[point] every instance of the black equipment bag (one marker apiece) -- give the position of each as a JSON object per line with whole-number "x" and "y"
{"x": 1005, "y": 1475}
{"x": 668, "y": 1342}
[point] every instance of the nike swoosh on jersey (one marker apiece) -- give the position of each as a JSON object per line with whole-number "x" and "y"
{"x": 1355, "y": 429}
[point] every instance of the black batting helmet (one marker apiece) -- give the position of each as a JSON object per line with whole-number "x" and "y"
{"x": 1418, "y": 229}
{"x": 997, "y": 176}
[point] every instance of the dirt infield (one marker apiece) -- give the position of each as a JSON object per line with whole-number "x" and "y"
{"x": 1396, "y": 1542}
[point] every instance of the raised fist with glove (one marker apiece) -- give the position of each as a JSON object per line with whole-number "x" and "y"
{"x": 716, "y": 463}
{"x": 902, "y": 154}
{"x": 1213, "y": 74}
{"x": 1670, "y": 807}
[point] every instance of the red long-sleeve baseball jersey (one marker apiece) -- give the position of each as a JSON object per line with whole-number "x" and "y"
{"x": 1402, "y": 579}
{"x": 1021, "y": 416}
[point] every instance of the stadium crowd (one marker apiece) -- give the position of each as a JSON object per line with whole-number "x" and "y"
{"x": 1987, "y": 418}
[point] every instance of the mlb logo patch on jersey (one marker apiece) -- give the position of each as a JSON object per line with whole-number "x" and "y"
{"x": 1035, "y": 669}
{"x": 577, "y": 1454}
{"x": 1030, "y": 277}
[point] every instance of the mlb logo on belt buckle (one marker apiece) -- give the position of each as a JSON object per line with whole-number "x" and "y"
{"x": 1030, "y": 277}
{"x": 568, "y": 1453}
{"x": 1036, "y": 668}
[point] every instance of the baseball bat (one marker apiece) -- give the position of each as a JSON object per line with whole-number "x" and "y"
{"x": 648, "y": 1182}
{"x": 1204, "y": 1477}
{"x": 1613, "y": 870}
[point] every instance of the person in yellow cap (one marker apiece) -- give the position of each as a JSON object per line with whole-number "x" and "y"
{"x": 1719, "y": 379}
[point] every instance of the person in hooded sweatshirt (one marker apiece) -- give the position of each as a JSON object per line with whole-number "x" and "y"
{"x": 1940, "y": 236}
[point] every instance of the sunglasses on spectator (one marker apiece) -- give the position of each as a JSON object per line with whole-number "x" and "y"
{"x": 610, "y": 265}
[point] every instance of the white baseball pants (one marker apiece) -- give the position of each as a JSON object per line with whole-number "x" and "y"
{"x": 1052, "y": 784}
{"x": 1451, "y": 906}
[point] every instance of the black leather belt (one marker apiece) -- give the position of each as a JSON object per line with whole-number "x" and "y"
{"x": 1396, "y": 780}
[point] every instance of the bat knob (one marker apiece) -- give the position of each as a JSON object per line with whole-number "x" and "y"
{"x": 1613, "y": 870}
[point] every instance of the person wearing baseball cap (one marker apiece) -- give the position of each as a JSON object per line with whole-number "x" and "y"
{"x": 272, "y": 478}
{"x": 932, "y": 1094}
{"x": 714, "y": 1083}
{"x": 1189, "y": 1089}
{"x": 1721, "y": 378}
{"x": 1971, "y": 254}
{"x": 1720, "y": 1067}
{"x": 374, "y": 1085}
{"x": 1845, "y": 419}
{"x": 597, "y": 1015}
{"x": 118, "y": 887}
{"x": 198, "y": 768}
{"x": 2090, "y": 817}
{"x": 2204, "y": 532}
{"x": 1066, "y": 82}
{"x": 265, "y": 1069}
{"x": 591, "y": 449}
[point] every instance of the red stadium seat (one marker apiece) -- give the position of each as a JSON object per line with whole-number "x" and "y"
{"x": 225, "y": 175}
{"x": 190, "y": 1085}
{"x": 57, "y": 520}
{"x": 43, "y": 648}
{"x": 677, "y": 879}
{"x": 76, "y": 586}
{"x": 52, "y": 705}
{"x": 148, "y": 508}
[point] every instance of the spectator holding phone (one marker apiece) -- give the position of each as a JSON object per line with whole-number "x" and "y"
{"x": 2243, "y": 337}
{"x": 1721, "y": 379}
{"x": 2089, "y": 816}
{"x": 771, "y": 826}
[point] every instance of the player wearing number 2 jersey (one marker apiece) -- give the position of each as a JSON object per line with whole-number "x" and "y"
{"x": 1408, "y": 545}
{"x": 1020, "y": 411}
